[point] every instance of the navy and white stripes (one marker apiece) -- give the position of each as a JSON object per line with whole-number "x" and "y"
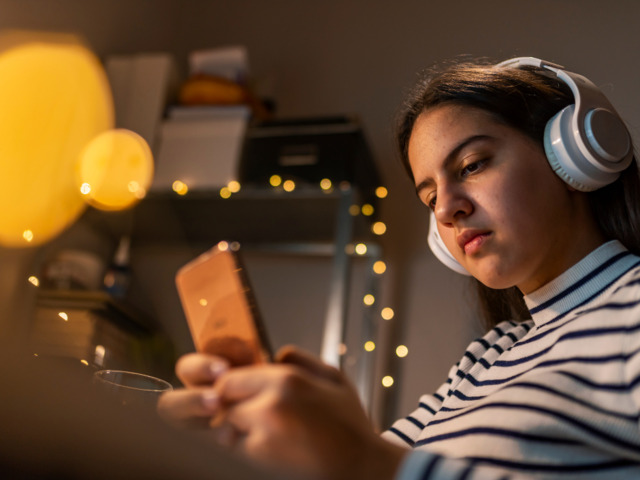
{"x": 554, "y": 397}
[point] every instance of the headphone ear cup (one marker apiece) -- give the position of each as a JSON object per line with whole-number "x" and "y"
{"x": 439, "y": 249}
{"x": 556, "y": 151}
{"x": 568, "y": 160}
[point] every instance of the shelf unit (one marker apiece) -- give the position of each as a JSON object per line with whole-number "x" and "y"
{"x": 306, "y": 221}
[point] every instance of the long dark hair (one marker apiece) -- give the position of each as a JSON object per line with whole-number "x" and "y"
{"x": 525, "y": 99}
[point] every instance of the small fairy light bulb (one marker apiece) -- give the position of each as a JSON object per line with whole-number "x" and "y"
{"x": 361, "y": 249}
{"x": 379, "y": 267}
{"x": 180, "y": 187}
{"x": 369, "y": 299}
{"x": 289, "y": 185}
{"x": 369, "y": 346}
{"x": 387, "y": 381}
{"x": 225, "y": 192}
{"x": 64, "y": 316}
{"x": 33, "y": 280}
{"x": 133, "y": 186}
{"x": 27, "y": 235}
{"x": 354, "y": 210}
{"x": 275, "y": 180}
{"x": 379, "y": 228}
{"x": 402, "y": 351}
{"x": 387, "y": 313}
{"x": 140, "y": 193}
{"x": 367, "y": 210}
{"x": 234, "y": 186}
{"x": 381, "y": 192}
{"x": 85, "y": 189}
{"x": 325, "y": 184}
{"x": 344, "y": 186}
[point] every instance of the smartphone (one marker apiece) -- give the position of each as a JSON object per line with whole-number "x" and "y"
{"x": 220, "y": 307}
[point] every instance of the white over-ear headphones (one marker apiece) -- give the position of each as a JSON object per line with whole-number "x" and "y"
{"x": 587, "y": 143}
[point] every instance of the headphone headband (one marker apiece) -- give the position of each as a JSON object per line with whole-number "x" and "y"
{"x": 597, "y": 130}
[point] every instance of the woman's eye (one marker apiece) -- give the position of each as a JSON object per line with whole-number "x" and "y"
{"x": 431, "y": 202}
{"x": 473, "y": 167}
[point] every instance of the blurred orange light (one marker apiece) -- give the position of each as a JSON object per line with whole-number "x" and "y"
{"x": 54, "y": 98}
{"x": 115, "y": 170}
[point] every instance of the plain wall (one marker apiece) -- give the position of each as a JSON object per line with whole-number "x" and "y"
{"x": 359, "y": 57}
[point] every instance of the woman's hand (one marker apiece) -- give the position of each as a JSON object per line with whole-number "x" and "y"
{"x": 296, "y": 414}
{"x": 195, "y": 405}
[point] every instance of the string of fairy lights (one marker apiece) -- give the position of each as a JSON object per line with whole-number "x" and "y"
{"x": 378, "y": 228}
{"x": 379, "y": 267}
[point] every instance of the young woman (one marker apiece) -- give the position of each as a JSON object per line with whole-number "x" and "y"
{"x": 538, "y": 203}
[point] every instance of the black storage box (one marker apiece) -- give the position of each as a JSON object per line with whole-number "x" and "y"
{"x": 307, "y": 151}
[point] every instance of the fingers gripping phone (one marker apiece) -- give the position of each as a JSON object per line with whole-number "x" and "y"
{"x": 220, "y": 307}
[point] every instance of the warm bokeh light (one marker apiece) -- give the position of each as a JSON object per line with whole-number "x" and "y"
{"x": 381, "y": 192}
{"x": 115, "y": 170}
{"x": 379, "y": 228}
{"x": 325, "y": 184}
{"x": 289, "y": 185}
{"x": 223, "y": 246}
{"x": 387, "y": 381}
{"x": 275, "y": 180}
{"x": 203, "y": 302}
{"x": 33, "y": 280}
{"x": 354, "y": 210}
{"x": 84, "y": 362}
{"x": 387, "y": 313}
{"x": 234, "y": 186}
{"x": 342, "y": 349}
{"x": 369, "y": 346}
{"x": 225, "y": 192}
{"x": 369, "y": 299}
{"x": 180, "y": 187}
{"x": 361, "y": 249}
{"x": 402, "y": 351}
{"x": 367, "y": 210}
{"x": 379, "y": 267}
{"x": 54, "y": 99}
{"x": 64, "y": 316}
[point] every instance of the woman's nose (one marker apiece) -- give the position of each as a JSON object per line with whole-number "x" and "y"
{"x": 451, "y": 205}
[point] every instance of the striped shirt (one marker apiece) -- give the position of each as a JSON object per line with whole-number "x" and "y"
{"x": 554, "y": 397}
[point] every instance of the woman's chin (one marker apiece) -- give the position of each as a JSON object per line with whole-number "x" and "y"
{"x": 492, "y": 277}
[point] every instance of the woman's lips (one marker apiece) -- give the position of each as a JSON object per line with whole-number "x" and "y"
{"x": 472, "y": 240}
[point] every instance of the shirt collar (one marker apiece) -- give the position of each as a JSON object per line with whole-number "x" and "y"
{"x": 580, "y": 283}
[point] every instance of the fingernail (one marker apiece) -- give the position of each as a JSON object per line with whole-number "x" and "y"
{"x": 210, "y": 400}
{"x": 218, "y": 368}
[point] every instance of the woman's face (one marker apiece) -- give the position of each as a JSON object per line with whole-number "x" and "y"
{"x": 501, "y": 211}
